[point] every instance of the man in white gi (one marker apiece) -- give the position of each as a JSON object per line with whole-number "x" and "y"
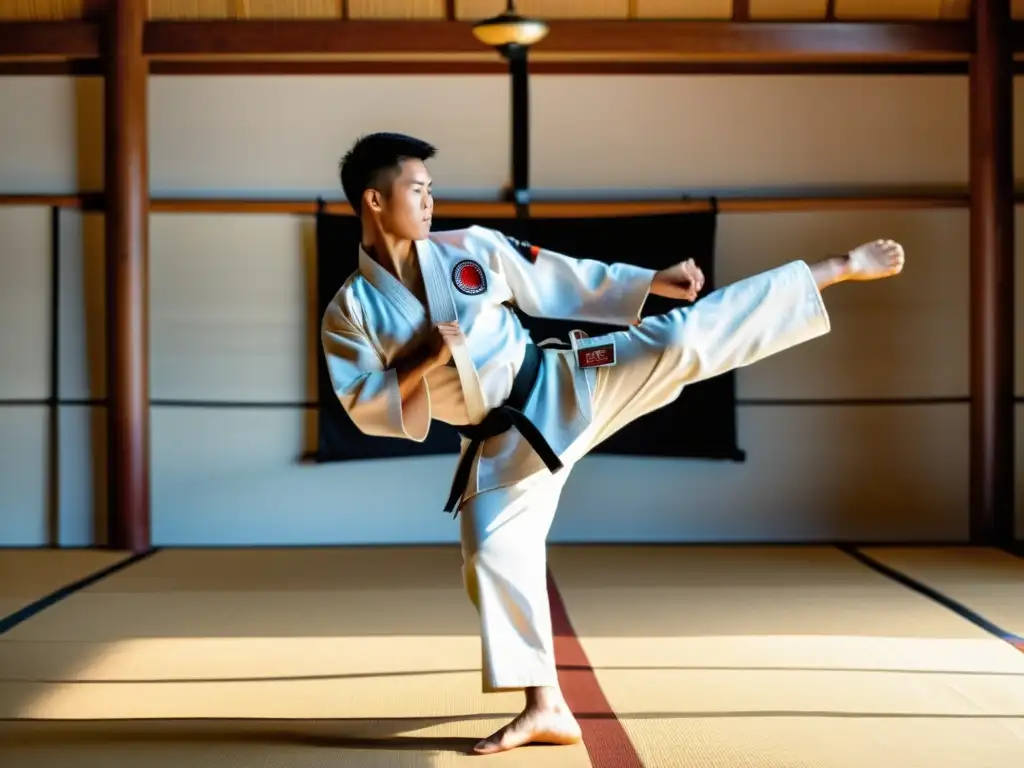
{"x": 421, "y": 331}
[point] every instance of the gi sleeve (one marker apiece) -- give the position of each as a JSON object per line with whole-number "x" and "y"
{"x": 367, "y": 390}
{"x": 548, "y": 284}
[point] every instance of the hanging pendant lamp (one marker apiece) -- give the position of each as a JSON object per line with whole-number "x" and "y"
{"x": 509, "y": 30}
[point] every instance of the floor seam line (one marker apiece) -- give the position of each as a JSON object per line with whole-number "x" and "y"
{"x": 36, "y": 607}
{"x": 1013, "y": 640}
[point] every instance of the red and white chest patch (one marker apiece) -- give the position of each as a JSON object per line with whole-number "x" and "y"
{"x": 469, "y": 278}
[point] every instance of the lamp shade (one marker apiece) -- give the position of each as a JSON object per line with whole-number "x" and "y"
{"x": 510, "y": 29}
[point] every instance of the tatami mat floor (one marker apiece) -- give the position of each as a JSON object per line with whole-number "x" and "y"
{"x": 26, "y": 575}
{"x": 716, "y": 657}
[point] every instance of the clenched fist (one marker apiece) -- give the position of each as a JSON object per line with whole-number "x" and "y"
{"x": 439, "y": 344}
{"x": 681, "y": 281}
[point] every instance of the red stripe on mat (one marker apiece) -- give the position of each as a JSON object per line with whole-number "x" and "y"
{"x": 607, "y": 742}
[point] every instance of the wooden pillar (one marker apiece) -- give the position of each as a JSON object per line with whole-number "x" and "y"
{"x": 991, "y": 276}
{"x": 127, "y": 236}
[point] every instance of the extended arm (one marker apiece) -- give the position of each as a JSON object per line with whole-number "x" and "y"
{"x": 549, "y": 284}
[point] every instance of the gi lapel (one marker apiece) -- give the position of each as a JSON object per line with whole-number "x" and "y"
{"x": 443, "y": 310}
{"x": 435, "y": 280}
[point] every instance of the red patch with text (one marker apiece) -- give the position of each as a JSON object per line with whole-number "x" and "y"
{"x": 596, "y": 356}
{"x": 469, "y": 278}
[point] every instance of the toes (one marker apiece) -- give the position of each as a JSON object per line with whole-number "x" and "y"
{"x": 492, "y": 743}
{"x": 487, "y": 747}
{"x": 502, "y": 739}
{"x": 502, "y": 743}
{"x": 890, "y": 252}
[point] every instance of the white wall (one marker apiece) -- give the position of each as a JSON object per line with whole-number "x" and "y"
{"x": 230, "y": 475}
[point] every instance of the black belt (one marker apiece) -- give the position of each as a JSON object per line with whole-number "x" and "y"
{"x": 501, "y": 420}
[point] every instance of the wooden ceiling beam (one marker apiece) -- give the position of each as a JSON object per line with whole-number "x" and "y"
{"x": 50, "y": 39}
{"x": 171, "y": 39}
{"x": 754, "y": 42}
{"x": 696, "y": 41}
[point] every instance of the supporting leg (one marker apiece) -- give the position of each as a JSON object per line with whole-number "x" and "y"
{"x": 504, "y": 535}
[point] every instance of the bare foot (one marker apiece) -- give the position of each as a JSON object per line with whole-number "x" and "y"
{"x": 875, "y": 260}
{"x": 548, "y": 725}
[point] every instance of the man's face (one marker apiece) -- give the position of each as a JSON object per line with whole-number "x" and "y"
{"x": 407, "y": 211}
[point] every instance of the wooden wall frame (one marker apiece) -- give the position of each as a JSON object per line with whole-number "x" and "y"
{"x": 125, "y": 49}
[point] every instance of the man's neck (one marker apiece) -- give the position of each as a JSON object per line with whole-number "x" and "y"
{"x": 396, "y": 256}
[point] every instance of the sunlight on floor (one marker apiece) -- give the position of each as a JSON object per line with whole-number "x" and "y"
{"x": 709, "y": 657}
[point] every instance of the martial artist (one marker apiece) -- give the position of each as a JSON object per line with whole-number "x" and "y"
{"x": 422, "y": 330}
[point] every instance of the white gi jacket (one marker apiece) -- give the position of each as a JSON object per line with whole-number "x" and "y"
{"x": 468, "y": 274}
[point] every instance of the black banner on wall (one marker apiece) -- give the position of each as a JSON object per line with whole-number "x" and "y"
{"x": 700, "y": 424}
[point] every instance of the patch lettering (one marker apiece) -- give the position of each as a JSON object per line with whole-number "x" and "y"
{"x": 596, "y": 356}
{"x": 526, "y": 249}
{"x": 469, "y": 278}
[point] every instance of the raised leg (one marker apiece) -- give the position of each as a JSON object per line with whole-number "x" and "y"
{"x": 732, "y": 327}
{"x": 504, "y": 534}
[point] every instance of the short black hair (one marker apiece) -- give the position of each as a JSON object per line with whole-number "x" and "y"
{"x": 375, "y": 156}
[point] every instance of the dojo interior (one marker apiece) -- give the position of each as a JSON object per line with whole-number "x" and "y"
{"x": 193, "y": 592}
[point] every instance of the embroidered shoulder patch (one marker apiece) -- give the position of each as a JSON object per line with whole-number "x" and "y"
{"x": 526, "y": 249}
{"x": 469, "y": 278}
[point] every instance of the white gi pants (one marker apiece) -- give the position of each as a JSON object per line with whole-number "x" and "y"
{"x": 504, "y": 531}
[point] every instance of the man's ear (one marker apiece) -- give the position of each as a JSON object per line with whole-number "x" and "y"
{"x": 373, "y": 200}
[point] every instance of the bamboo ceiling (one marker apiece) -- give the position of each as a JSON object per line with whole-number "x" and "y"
{"x": 741, "y": 10}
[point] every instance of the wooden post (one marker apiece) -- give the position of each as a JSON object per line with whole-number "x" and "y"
{"x": 127, "y": 235}
{"x": 991, "y": 281}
